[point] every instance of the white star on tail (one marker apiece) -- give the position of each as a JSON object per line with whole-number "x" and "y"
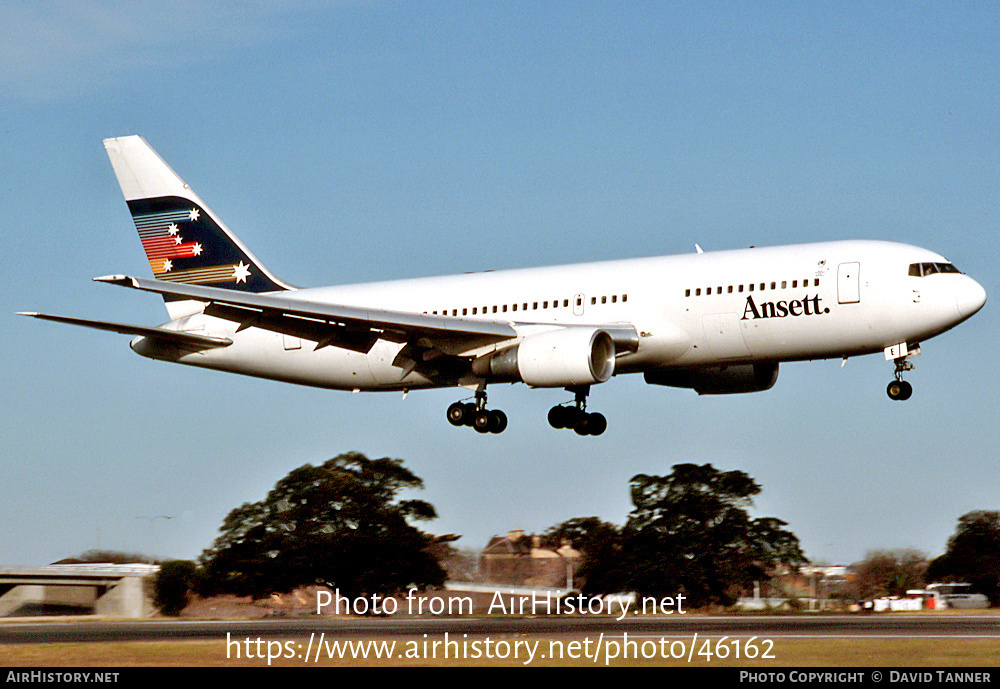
{"x": 172, "y": 229}
{"x": 193, "y": 215}
{"x": 167, "y": 265}
{"x": 196, "y": 249}
{"x": 241, "y": 272}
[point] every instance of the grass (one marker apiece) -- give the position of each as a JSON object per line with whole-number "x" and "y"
{"x": 787, "y": 652}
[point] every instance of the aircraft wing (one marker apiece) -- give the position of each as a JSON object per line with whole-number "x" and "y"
{"x": 348, "y": 327}
{"x": 183, "y": 339}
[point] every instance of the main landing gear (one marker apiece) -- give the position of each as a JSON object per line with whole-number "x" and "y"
{"x": 899, "y": 389}
{"x": 476, "y": 414}
{"x": 576, "y": 417}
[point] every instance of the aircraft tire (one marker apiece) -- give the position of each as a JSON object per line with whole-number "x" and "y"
{"x": 560, "y": 417}
{"x": 483, "y": 421}
{"x": 907, "y": 391}
{"x": 498, "y": 421}
{"x": 456, "y": 414}
{"x": 899, "y": 390}
{"x": 596, "y": 424}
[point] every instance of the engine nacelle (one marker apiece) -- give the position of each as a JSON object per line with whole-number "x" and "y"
{"x": 554, "y": 359}
{"x": 719, "y": 380}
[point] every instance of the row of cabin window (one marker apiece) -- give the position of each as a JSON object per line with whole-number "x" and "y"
{"x": 534, "y": 305}
{"x": 750, "y": 287}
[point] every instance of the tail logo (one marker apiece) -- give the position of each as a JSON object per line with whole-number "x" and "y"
{"x": 184, "y": 244}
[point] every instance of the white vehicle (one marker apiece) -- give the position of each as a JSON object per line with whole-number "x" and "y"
{"x": 715, "y": 322}
{"x": 956, "y": 596}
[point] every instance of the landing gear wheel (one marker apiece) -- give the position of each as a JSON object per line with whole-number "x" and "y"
{"x": 470, "y": 414}
{"x": 498, "y": 421}
{"x": 899, "y": 390}
{"x": 576, "y": 417}
{"x": 476, "y": 415}
{"x": 456, "y": 414}
{"x": 560, "y": 416}
{"x": 482, "y": 421}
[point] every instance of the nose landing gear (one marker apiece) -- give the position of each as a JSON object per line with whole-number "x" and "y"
{"x": 899, "y": 389}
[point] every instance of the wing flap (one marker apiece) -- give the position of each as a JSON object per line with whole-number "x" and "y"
{"x": 331, "y": 324}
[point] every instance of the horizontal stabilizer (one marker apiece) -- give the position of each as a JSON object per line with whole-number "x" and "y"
{"x": 173, "y": 336}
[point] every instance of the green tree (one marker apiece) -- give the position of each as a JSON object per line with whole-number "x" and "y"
{"x": 600, "y": 543}
{"x": 973, "y": 555}
{"x": 690, "y": 533}
{"x": 888, "y": 574}
{"x": 172, "y": 584}
{"x": 340, "y": 523}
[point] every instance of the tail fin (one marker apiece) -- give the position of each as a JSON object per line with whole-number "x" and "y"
{"x": 184, "y": 241}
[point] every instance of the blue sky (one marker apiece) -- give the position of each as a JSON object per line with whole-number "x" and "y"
{"x": 357, "y": 141}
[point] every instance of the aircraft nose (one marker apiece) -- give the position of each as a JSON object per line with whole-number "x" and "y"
{"x": 971, "y": 297}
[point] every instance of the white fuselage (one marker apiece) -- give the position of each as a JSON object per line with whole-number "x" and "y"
{"x": 808, "y": 301}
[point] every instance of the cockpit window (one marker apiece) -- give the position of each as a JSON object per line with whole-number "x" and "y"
{"x": 925, "y": 269}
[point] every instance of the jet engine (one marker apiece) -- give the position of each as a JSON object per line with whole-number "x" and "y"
{"x": 719, "y": 380}
{"x": 553, "y": 359}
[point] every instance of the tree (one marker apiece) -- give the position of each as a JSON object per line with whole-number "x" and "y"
{"x": 600, "y": 543}
{"x": 888, "y": 574}
{"x": 172, "y": 584}
{"x": 973, "y": 555}
{"x": 339, "y": 523}
{"x": 690, "y": 533}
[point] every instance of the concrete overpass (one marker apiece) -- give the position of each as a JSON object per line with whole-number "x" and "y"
{"x": 103, "y": 589}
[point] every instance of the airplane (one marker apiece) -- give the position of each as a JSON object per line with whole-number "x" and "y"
{"x": 716, "y": 322}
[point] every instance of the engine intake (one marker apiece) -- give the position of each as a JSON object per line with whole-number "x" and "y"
{"x": 557, "y": 358}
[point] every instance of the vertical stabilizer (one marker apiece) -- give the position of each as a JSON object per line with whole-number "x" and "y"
{"x": 183, "y": 239}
